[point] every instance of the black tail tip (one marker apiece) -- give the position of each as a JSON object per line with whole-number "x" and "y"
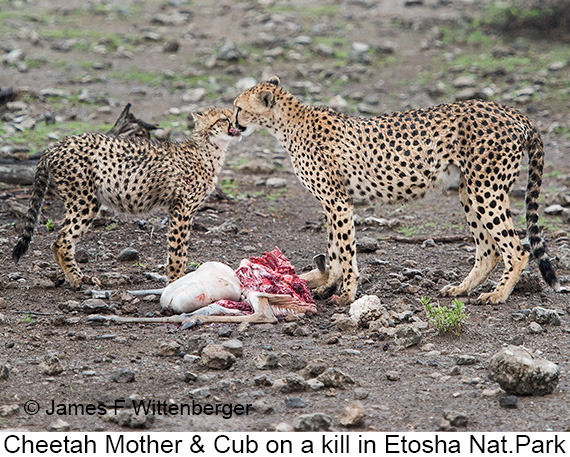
{"x": 19, "y": 250}
{"x": 548, "y": 273}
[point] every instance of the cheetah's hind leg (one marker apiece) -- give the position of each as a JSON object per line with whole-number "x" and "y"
{"x": 487, "y": 255}
{"x": 73, "y": 228}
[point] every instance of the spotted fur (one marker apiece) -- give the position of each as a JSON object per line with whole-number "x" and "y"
{"x": 132, "y": 175}
{"x": 398, "y": 157}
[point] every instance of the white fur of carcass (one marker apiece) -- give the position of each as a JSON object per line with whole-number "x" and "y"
{"x": 211, "y": 282}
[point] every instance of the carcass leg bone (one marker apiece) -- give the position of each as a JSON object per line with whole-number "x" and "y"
{"x": 319, "y": 276}
{"x": 259, "y": 301}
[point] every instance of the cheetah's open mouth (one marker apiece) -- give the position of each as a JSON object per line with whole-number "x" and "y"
{"x": 235, "y": 132}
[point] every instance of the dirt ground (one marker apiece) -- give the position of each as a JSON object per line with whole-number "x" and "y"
{"x": 126, "y": 53}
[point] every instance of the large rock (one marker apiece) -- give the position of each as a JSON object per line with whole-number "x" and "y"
{"x": 518, "y": 372}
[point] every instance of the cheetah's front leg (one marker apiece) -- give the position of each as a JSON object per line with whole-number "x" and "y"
{"x": 342, "y": 270}
{"x": 180, "y": 221}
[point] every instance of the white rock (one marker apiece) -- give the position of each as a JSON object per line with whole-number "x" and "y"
{"x": 366, "y": 309}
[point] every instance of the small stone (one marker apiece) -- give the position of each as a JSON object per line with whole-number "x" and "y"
{"x": 4, "y": 372}
{"x": 464, "y": 81}
{"x": 352, "y": 415}
{"x": 392, "y": 376}
{"x": 295, "y": 402}
{"x": 123, "y": 376}
{"x": 95, "y": 306}
{"x": 535, "y": 327}
{"x": 170, "y": 46}
{"x": 284, "y": 427}
{"x": 456, "y": 419}
{"x": 168, "y": 349}
{"x": 407, "y": 335}
{"x": 113, "y": 279}
{"x": 190, "y": 377}
{"x": 190, "y": 358}
{"x": 263, "y": 381}
{"x": 294, "y": 329}
{"x": 488, "y": 393}
{"x": 245, "y": 83}
{"x": 544, "y": 316}
{"x": 466, "y": 360}
{"x": 217, "y": 357}
{"x": 314, "y": 369}
{"x": 8, "y": 410}
{"x": 128, "y": 418}
{"x": 333, "y": 377}
{"x": 225, "y": 332}
{"x": 405, "y": 316}
{"x": 234, "y": 346}
{"x": 194, "y": 95}
{"x": 508, "y": 401}
{"x": 262, "y": 407}
{"x": 367, "y": 244}
{"x": 293, "y": 383}
{"x": 266, "y": 360}
{"x": 556, "y": 66}
{"x": 276, "y": 183}
{"x": 338, "y": 103}
{"x": 312, "y": 422}
{"x": 82, "y": 256}
{"x": 360, "y": 48}
{"x": 315, "y": 384}
{"x": 229, "y": 52}
{"x": 69, "y": 306}
{"x": 200, "y": 393}
{"x": 59, "y": 426}
{"x": 554, "y": 210}
{"x": 345, "y": 324}
{"x": 128, "y": 255}
{"x": 51, "y": 365}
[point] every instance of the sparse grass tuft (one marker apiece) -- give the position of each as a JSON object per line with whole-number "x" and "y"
{"x": 445, "y": 319}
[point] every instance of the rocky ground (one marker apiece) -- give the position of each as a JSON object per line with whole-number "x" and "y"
{"x": 76, "y": 64}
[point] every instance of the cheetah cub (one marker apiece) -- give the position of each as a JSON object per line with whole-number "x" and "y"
{"x": 397, "y": 157}
{"x": 131, "y": 175}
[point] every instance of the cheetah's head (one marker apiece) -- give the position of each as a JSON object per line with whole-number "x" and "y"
{"x": 215, "y": 124}
{"x": 254, "y": 107}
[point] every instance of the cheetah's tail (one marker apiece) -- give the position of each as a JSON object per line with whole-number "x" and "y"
{"x": 536, "y": 165}
{"x": 41, "y": 182}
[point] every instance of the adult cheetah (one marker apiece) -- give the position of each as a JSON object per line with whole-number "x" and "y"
{"x": 132, "y": 175}
{"x": 398, "y": 157}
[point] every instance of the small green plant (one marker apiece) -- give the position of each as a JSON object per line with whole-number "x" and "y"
{"x": 139, "y": 264}
{"x": 50, "y": 225}
{"x": 445, "y": 319}
{"x": 194, "y": 265}
{"x": 111, "y": 226}
{"x": 27, "y": 319}
{"x": 406, "y": 231}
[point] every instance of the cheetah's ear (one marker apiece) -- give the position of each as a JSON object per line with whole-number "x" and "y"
{"x": 266, "y": 98}
{"x": 274, "y": 80}
{"x": 195, "y": 120}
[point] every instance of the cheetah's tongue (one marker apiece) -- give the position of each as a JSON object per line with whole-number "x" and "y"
{"x": 234, "y": 132}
